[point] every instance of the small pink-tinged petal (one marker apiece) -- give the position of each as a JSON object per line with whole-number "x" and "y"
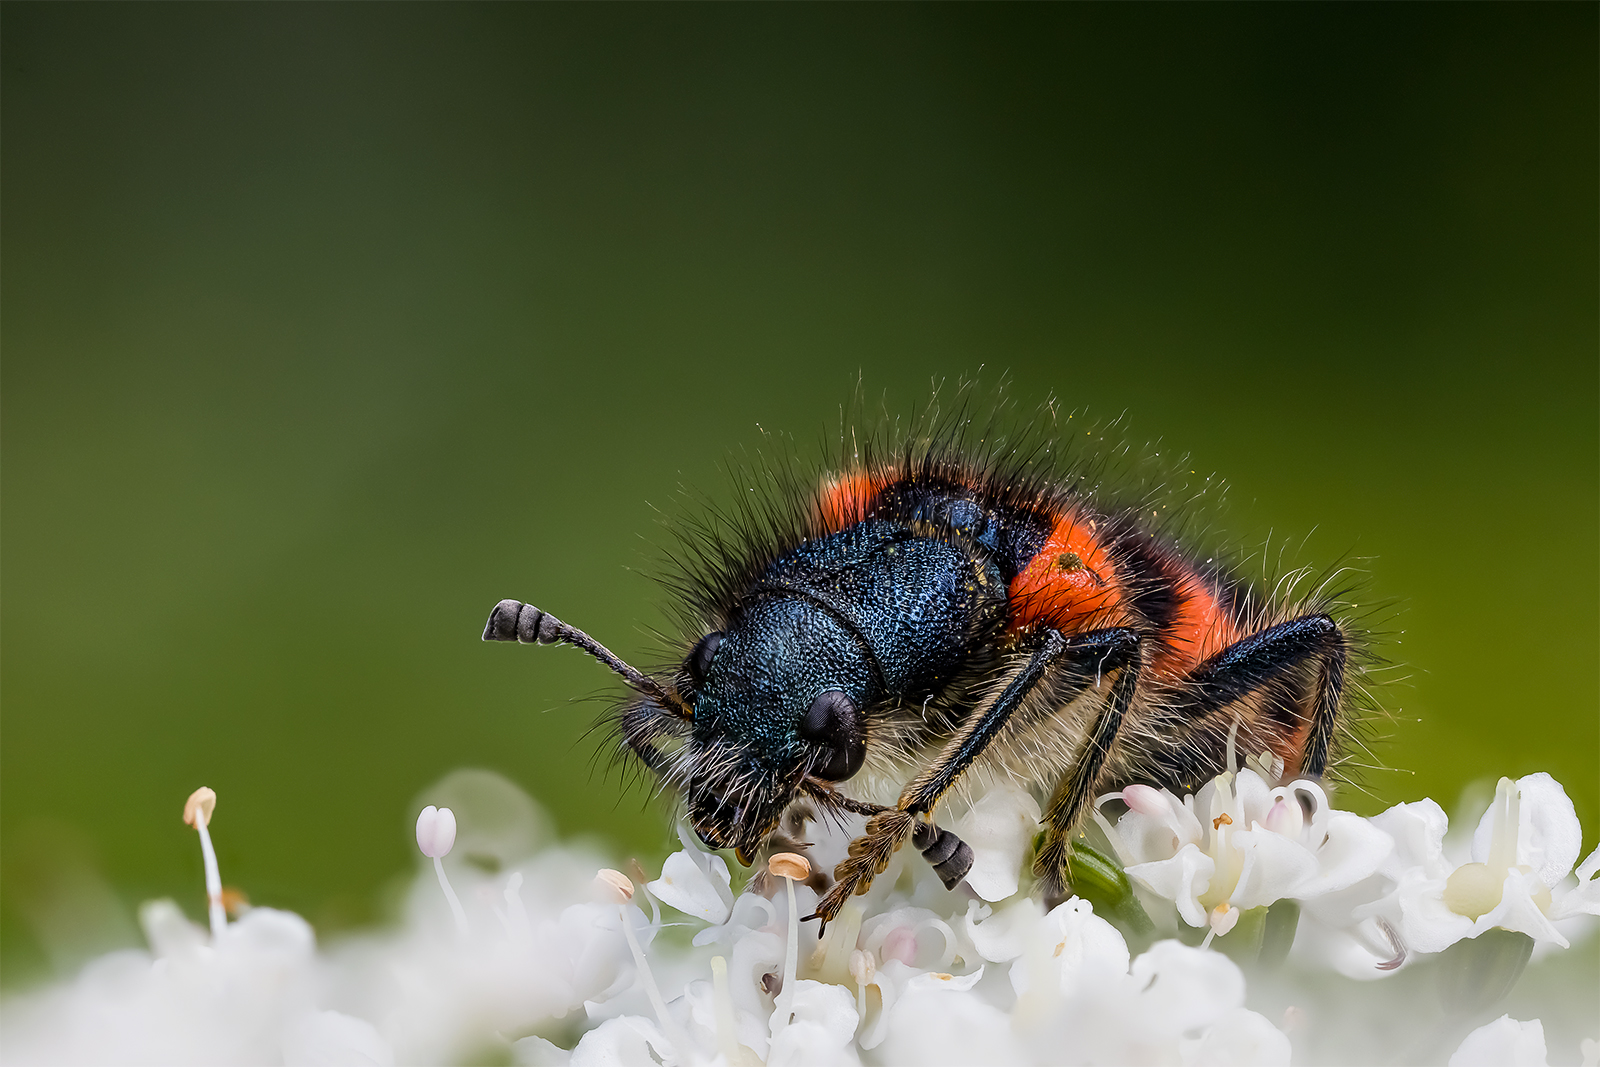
{"x": 1146, "y": 800}
{"x": 1310, "y": 796}
{"x": 1503, "y": 1043}
{"x": 1284, "y": 818}
{"x": 1181, "y": 879}
{"x": 1156, "y": 825}
{"x": 901, "y": 944}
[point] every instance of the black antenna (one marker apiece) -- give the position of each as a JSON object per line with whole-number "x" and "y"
{"x": 512, "y": 620}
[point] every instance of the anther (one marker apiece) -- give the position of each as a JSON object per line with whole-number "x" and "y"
{"x": 790, "y": 865}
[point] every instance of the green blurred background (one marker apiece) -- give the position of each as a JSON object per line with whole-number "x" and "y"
{"x": 326, "y": 327}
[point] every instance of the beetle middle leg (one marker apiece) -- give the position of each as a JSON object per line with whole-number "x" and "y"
{"x": 1071, "y": 666}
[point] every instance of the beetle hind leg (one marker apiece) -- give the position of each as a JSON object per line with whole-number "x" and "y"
{"x": 1278, "y": 691}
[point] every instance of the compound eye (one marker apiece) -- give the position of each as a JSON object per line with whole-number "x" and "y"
{"x": 699, "y": 661}
{"x": 834, "y": 723}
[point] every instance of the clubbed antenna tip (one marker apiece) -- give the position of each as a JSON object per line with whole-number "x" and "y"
{"x": 512, "y": 620}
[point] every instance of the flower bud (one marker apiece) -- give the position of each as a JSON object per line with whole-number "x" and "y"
{"x": 436, "y": 831}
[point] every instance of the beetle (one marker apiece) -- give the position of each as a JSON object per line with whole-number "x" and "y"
{"x": 948, "y": 605}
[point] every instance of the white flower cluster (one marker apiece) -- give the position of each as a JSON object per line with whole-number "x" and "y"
{"x": 541, "y": 962}
{"x": 1385, "y": 882}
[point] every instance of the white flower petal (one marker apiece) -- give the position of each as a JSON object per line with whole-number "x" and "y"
{"x": 1082, "y": 945}
{"x": 334, "y": 1039}
{"x": 1352, "y": 850}
{"x": 1001, "y": 935}
{"x": 1254, "y": 797}
{"x": 1274, "y": 867}
{"x": 684, "y": 884}
{"x": 1240, "y": 1038}
{"x": 1180, "y": 879}
{"x": 999, "y": 828}
{"x": 806, "y": 1044}
{"x": 1417, "y": 830}
{"x": 823, "y": 1029}
{"x": 937, "y": 980}
{"x": 1426, "y": 925}
{"x": 1584, "y": 899}
{"x": 1518, "y": 910}
{"x": 1548, "y": 834}
{"x": 1589, "y": 867}
{"x": 1503, "y": 1043}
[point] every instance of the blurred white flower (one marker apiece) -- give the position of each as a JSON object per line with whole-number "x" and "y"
{"x": 1503, "y": 1043}
{"x": 908, "y": 973}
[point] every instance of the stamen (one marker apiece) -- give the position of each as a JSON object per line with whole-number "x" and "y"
{"x": 789, "y": 866}
{"x": 197, "y": 812}
{"x": 436, "y": 836}
{"x": 621, "y": 891}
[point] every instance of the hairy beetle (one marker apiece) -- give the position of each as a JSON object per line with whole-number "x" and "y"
{"x": 946, "y": 604}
